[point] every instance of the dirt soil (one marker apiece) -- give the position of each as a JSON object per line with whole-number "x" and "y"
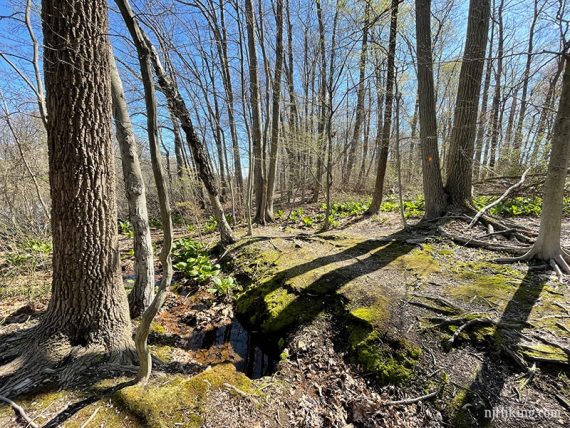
{"x": 333, "y": 329}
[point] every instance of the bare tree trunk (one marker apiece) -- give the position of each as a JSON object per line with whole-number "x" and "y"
{"x": 366, "y": 138}
{"x": 384, "y": 145}
{"x": 143, "y": 290}
{"x": 460, "y": 157}
{"x": 547, "y": 245}
{"x": 482, "y": 124}
{"x": 178, "y": 107}
{"x": 526, "y": 77}
{"x": 146, "y": 52}
{"x": 260, "y": 183}
{"x": 546, "y": 110}
{"x": 321, "y": 127}
{"x": 360, "y": 95}
{"x": 230, "y": 102}
{"x": 275, "y": 110}
{"x": 495, "y": 122}
{"x": 435, "y": 198}
{"x": 88, "y": 304}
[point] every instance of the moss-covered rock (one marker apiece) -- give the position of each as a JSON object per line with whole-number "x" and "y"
{"x": 179, "y": 400}
{"x": 391, "y": 360}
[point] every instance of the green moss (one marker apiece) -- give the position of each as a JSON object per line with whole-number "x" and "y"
{"x": 157, "y": 328}
{"x": 164, "y": 353}
{"x": 377, "y": 351}
{"x": 375, "y": 314}
{"x": 104, "y": 413}
{"x": 421, "y": 261}
{"x": 545, "y": 352}
{"x": 180, "y": 400}
{"x": 459, "y": 416}
{"x": 390, "y": 360}
{"x": 34, "y": 406}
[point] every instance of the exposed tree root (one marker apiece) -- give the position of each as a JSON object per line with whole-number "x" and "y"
{"x": 55, "y": 360}
{"x": 410, "y": 400}
{"x": 474, "y": 242}
{"x": 559, "y": 263}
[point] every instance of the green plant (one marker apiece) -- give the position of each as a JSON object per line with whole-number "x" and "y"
{"x": 307, "y": 221}
{"x": 224, "y": 286}
{"x": 155, "y": 223}
{"x": 211, "y": 225}
{"x": 38, "y": 246}
{"x": 191, "y": 258}
{"x": 279, "y": 214}
{"x": 516, "y": 206}
{"x": 126, "y": 228}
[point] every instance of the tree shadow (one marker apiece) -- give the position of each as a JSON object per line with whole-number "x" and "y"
{"x": 318, "y": 282}
{"x": 484, "y": 393}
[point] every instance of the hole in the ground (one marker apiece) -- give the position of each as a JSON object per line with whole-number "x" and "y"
{"x": 233, "y": 342}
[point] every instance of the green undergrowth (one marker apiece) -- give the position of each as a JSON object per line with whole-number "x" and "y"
{"x": 516, "y": 206}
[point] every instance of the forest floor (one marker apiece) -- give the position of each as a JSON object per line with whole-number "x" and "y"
{"x": 331, "y": 330}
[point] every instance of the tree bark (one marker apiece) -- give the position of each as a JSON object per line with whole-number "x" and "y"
{"x": 495, "y": 122}
{"x": 434, "y": 195}
{"x": 143, "y": 289}
{"x": 526, "y": 77}
{"x": 460, "y": 157}
{"x": 260, "y": 183}
{"x": 547, "y": 245}
{"x": 359, "y": 96}
{"x": 384, "y": 144}
{"x": 482, "y": 125}
{"x": 322, "y": 102}
{"x": 88, "y": 304}
{"x": 275, "y": 110}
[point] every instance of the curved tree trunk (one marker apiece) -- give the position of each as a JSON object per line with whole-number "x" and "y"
{"x": 460, "y": 157}
{"x": 143, "y": 290}
{"x": 435, "y": 198}
{"x": 88, "y": 305}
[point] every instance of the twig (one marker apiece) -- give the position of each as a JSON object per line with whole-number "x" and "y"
{"x": 410, "y": 400}
{"x": 462, "y": 327}
{"x": 498, "y": 200}
{"x": 20, "y": 411}
{"x": 240, "y": 392}
{"x": 84, "y": 424}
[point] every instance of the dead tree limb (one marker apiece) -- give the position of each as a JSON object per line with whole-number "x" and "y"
{"x": 498, "y": 200}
